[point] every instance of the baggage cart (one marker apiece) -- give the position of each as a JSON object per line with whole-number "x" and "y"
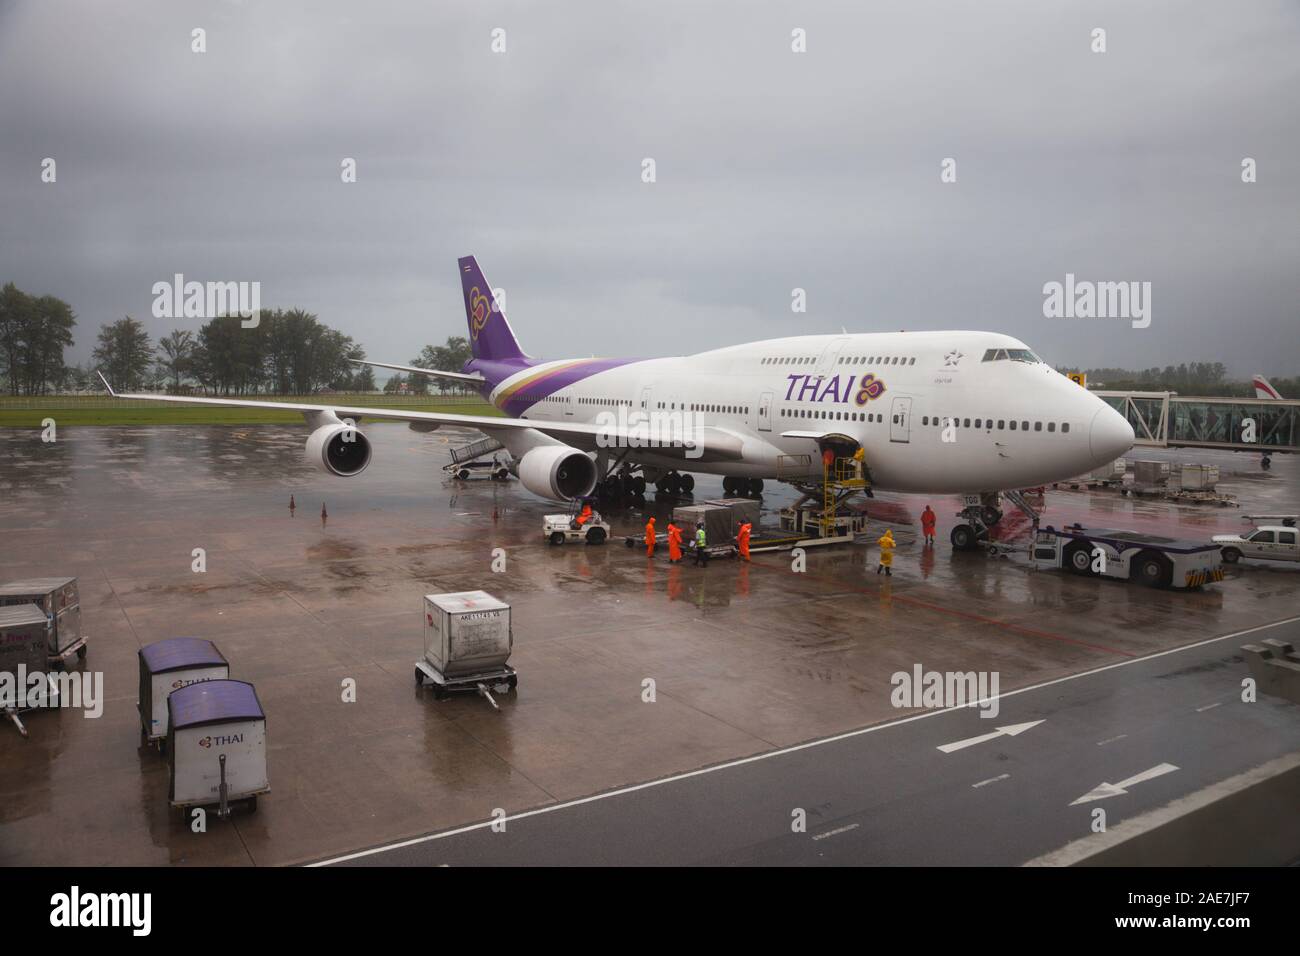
{"x": 216, "y": 745}
{"x": 167, "y": 666}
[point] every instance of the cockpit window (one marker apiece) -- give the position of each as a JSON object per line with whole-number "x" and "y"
{"x": 1015, "y": 355}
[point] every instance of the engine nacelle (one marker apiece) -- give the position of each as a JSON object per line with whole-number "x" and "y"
{"x": 339, "y": 449}
{"x": 557, "y": 472}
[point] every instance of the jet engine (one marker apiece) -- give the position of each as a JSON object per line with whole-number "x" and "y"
{"x": 557, "y": 472}
{"x": 339, "y": 449}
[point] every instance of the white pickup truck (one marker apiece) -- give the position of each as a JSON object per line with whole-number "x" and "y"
{"x": 1280, "y": 542}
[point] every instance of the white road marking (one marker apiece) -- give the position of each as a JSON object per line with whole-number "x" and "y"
{"x": 1201, "y": 710}
{"x": 1104, "y": 790}
{"x": 1110, "y": 740}
{"x": 1009, "y": 731}
{"x": 836, "y": 831}
{"x": 767, "y": 755}
{"x": 1005, "y": 776}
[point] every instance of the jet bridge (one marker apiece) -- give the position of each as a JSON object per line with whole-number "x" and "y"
{"x": 1170, "y": 420}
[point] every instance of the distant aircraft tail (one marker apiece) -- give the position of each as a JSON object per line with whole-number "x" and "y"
{"x": 1263, "y": 389}
{"x": 490, "y": 335}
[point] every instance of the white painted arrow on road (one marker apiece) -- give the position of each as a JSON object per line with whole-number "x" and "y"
{"x": 1115, "y": 789}
{"x": 1009, "y": 731}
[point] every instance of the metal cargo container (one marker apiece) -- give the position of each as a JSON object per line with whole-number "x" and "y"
{"x": 1199, "y": 477}
{"x": 167, "y": 666}
{"x": 57, "y": 597}
{"x": 718, "y": 523}
{"x": 1114, "y": 471}
{"x": 742, "y": 510}
{"x": 466, "y": 632}
{"x": 23, "y": 648}
{"x": 1150, "y": 473}
{"x": 207, "y": 722}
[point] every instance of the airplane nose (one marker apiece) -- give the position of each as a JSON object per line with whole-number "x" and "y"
{"x": 1109, "y": 436}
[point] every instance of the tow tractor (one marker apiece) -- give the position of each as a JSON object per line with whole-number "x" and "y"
{"x": 1152, "y": 560}
{"x": 557, "y": 529}
{"x": 1274, "y": 538}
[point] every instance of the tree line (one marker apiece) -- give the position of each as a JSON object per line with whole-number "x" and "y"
{"x": 1189, "y": 378}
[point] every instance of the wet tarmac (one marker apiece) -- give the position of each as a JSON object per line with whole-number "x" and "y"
{"x": 744, "y": 658}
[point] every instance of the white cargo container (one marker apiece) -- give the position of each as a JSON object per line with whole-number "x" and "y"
{"x": 1112, "y": 471}
{"x": 24, "y": 636}
{"x": 1148, "y": 474}
{"x": 167, "y": 666}
{"x": 209, "y": 721}
{"x": 1198, "y": 477}
{"x": 467, "y": 642}
{"x": 58, "y": 598}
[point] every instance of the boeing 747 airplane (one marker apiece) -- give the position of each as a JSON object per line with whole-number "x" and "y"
{"x": 971, "y": 413}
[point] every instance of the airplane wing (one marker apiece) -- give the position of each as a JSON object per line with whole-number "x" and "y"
{"x": 702, "y": 444}
{"x": 416, "y": 370}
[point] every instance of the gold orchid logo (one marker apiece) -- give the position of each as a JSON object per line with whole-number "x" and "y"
{"x": 480, "y": 307}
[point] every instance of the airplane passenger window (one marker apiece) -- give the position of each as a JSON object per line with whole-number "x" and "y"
{"x": 1002, "y": 422}
{"x": 1013, "y": 425}
{"x": 1038, "y": 426}
{"x": 895, "y": 419}
{"x": 967, "y": 425}
{"x": 1024, "y": 426}
{"x": 911, "y": 361}
{"x": 925, "y": 419}
{"x": 1051, "y": 426}
{"x": 1065, "y": 426}
{"x": 977, "y": 423}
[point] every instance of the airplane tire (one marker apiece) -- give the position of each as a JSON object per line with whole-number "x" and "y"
{"x": 688, "y": 483}
{"x": 638, "y": 485}
{"x": 728, "y": 486}
{"x": 963, "y": 538}
{"x": 756, "y": 486}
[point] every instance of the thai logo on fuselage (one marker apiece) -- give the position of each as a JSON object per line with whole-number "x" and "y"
{"x": 479, "y": 309}
{"x": 838, "y": 389}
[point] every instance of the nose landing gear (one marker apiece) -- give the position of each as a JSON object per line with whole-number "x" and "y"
{"x": 981, "y": 513}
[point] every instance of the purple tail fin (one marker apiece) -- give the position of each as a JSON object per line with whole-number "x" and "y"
{"x": 490, "y": 335}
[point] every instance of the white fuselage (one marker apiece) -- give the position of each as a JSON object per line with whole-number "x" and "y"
{"x": 935, "y": 412}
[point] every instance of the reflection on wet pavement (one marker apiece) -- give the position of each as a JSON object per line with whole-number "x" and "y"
{"x": 745, "y": 657}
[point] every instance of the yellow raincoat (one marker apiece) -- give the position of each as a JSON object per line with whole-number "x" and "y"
{"x": 887, "y": 545}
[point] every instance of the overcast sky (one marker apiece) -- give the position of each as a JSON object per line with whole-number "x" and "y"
{"x": 775, "y": 170}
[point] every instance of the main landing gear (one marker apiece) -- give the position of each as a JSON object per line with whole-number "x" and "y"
{"x": 675, "y": 483}
{"x": 742, "y": 487}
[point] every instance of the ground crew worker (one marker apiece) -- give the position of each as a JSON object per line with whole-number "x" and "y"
{"x": 584, "y": 517}
{"x": 742, "y": 540}
{"x": 828, "y": 459}
{"x": 887, "y": 545}
{"x": 927, "y": 525}
{"x": 650, "y": 538}
{"x": 674, "y": 544}
{"x": 701, "y": 544}
{"x": 859, "y": 458}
